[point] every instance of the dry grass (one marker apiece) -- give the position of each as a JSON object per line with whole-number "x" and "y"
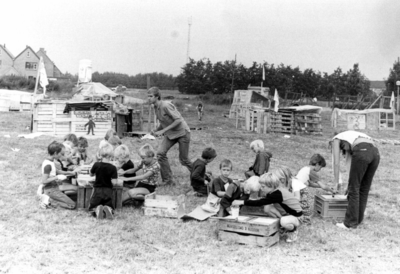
{"x": 60, "y": 241}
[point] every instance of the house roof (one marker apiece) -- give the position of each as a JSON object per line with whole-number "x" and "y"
{"x": 27, "y": 47}
{"x": 7, "y": 51}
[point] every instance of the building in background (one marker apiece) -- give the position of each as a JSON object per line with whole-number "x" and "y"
{"x": 26, "y": 63}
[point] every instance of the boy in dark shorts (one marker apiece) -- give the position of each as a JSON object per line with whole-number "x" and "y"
{"x": 106, "y": 176}
{"x": 198, "y": 177}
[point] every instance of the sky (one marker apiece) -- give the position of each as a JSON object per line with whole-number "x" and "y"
{"x": 132, "y": 36}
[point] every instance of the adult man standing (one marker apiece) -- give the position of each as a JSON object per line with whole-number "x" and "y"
{"x": 175, "y": 130}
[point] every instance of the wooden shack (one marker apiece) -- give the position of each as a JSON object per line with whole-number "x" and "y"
{"x": 62, "y": 117}
{"x": 373, "y": 119}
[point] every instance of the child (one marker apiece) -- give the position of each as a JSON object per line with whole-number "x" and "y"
{"x": 82, "y": 156}
{"x": 252, "y": 187}
{"x": 308, "y": 177}
{"x": 109, "y": 133}
{"x": 91, "y": 125}
{"x": 123, "y": 163}
{"x": 200, "y": 110}
{"x": 233, "y": 190}
{"x": 106, "y": 177}
{"x": 114, "y": 141}
{"x": 74, "y": 149}
{"x": 289, "y": 206}
{"x": 261, "y": 163}
{"x": 198, "y": 175}
{"x": 52, "y": 194}
{"x": 218, "y": 184}
{"x": 147, "y": 182}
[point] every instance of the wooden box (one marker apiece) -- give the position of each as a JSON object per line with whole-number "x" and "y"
{"x": 327, "y": 206}
{"x": 252, "y": 211}
{"x": 164, "y": 205}
{"x": 84, "y": 193}
{"x": 257, "y": 231}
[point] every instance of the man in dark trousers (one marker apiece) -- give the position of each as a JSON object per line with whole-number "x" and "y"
{"x": 175, "y": 130}
{"x": 91, "y": 125}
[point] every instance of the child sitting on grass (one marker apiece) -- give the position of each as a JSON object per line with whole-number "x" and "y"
{"x": 219, "y": 183}
{"x": 83, "y": 158}
{"x": 49, "y": 184}
{"x": 147, "y": 182}
{"x": 100, "y": 203}
{"x": 233, "y": 190}
{"x": 74, "y": 149}
{"x": 275, "y": 194}
{"x": 109, "y": 133}
{"x": 309, "y": 178}
{"x": 198, "y": 176}
{"x": 261, "y": 163}
{"x": 252, "y": 187}
{"x": 124, "y": 163}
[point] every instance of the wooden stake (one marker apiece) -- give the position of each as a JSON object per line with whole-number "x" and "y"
{"x": 336, "y": 161}
{"x": 149, "y": 120}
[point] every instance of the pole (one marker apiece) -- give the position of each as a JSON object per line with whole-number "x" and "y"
{"x": 336, "y": 162}
{"x": 233, "y": 74}
{"x": 398, "y": 101}
{"x": 33, "y": 99}
{"x": 188, "y": 45}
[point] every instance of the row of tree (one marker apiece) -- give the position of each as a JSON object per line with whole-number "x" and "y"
{"x": 202, "y": 76}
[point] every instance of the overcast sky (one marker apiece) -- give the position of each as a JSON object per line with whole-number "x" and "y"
{"x": 131, "y": 36}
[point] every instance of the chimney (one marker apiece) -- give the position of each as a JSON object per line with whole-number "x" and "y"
{"x": 42, "y": 49}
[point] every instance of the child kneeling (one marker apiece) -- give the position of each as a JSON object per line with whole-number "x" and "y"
{"x": 145, "y": 183}
{"x": 283, "y": 200}
{"x": 106, "y": 177}
{"x": 199, "y": 179}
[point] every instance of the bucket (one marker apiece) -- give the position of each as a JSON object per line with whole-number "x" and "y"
{"x": 85, "y": 71}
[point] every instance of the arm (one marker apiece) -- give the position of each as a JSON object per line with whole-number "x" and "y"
{"x": 138, "y": 178}
{"x": 321, "y": 185}
{"x": 272, "y": 198}
{"x": 297, "y": 195}
{"x": 130, "y": 171}
{"x": 196, "y": 173}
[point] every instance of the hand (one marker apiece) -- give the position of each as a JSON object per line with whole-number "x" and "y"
{"x": 121, "y": 172}
{"x": 158, "y": 133}
{"x": 237, "y": 202}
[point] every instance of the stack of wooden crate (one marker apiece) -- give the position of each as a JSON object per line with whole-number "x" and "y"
{"x": 309, "y": 123}
{"x": 282, "y": 121}
{"x": 257, "y": 231}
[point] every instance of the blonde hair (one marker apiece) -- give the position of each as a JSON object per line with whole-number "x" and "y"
{"x": 106, "y": 151}
{"x": 252, "y": 185}
{"x": 270, "y": 180}
{"x": 110, "y": 133}
{"x": 257, "y": 145}
{"x": 147, "y": 150}
{"x": 68, "y": 146}
{"x": 285, "y": 176}
{"x": 122, "y": 152}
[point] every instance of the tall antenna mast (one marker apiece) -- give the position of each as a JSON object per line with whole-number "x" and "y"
{"x": 188, "y": 45}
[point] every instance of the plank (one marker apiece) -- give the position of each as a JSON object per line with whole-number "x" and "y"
{"x": 248, "y": 239}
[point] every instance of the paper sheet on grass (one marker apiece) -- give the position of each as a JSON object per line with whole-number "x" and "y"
{"x": 198, "y": 214}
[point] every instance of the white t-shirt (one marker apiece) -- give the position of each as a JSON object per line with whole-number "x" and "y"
{"x": 52, "y": 165}
{"x": 350, "y": 136}
{"x": 102, "y": 143}
{"x": 297, "y": 185}
{"x": 304, "y": 175}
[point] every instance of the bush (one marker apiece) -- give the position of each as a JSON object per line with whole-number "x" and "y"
{"x": 217, "y": 99}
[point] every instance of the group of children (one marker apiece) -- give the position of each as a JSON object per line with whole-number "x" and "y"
{"x": 283, "y": 195}
{"x": 111, "y": 164}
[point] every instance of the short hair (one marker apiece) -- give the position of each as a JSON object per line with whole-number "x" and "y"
{"x": 270, "y": 180}
{"x": 284, "y": 175}
{"x": 106, "y": 151}
{"x": 114, "y": 141}
{"x": 225, "y": 163}
{"x": 82, "y": 141}
{"x": 208, "y": 153}
{"x": 109, "y": 133}
{"x": 257, "y": 145}
{"x": 54, "y": 147}
{"x": 122, "y": 152}
{"x": 252, "y": 185}
{"x": 71, "y": 137}
{"x": 147, "y": 150}
{"x": 317, "y": 159}
{"x": 155, "y": 91}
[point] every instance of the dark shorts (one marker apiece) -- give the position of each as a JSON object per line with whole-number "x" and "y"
{"x": 150, "y": 188}
{"x": 101, "y": 196}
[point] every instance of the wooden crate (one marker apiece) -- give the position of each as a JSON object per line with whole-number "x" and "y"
{"x": 164, "y": 205}
{"x": 252, "y": 211}
{"x": 282, "y": 122}
{"x": 84, "y": 193}
{"x": 327, "y": 206}
{"x": 309, "y": 123}
{"x": 258, "y": 231}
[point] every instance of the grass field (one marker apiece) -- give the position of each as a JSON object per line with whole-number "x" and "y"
{"x": 61, "y": 241}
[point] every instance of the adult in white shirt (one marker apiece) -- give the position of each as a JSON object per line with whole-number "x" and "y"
{"x": 364, "y": 162}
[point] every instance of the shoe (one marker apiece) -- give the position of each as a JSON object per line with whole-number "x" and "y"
{"x": 108, "y": 212}
{"x": 44, "y": 201}
{"x": 341, "y": 225}
{"x": 292, "y": 236}
{"x": 99, "y": 212}
{"x": 282, "y": 232}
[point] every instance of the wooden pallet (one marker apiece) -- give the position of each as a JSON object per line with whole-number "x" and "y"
{"x": 282, "y": 122}
{"x": 327, "y": 206}
{"x": 308, "y": 123}
{"x": 251, "y": 230}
